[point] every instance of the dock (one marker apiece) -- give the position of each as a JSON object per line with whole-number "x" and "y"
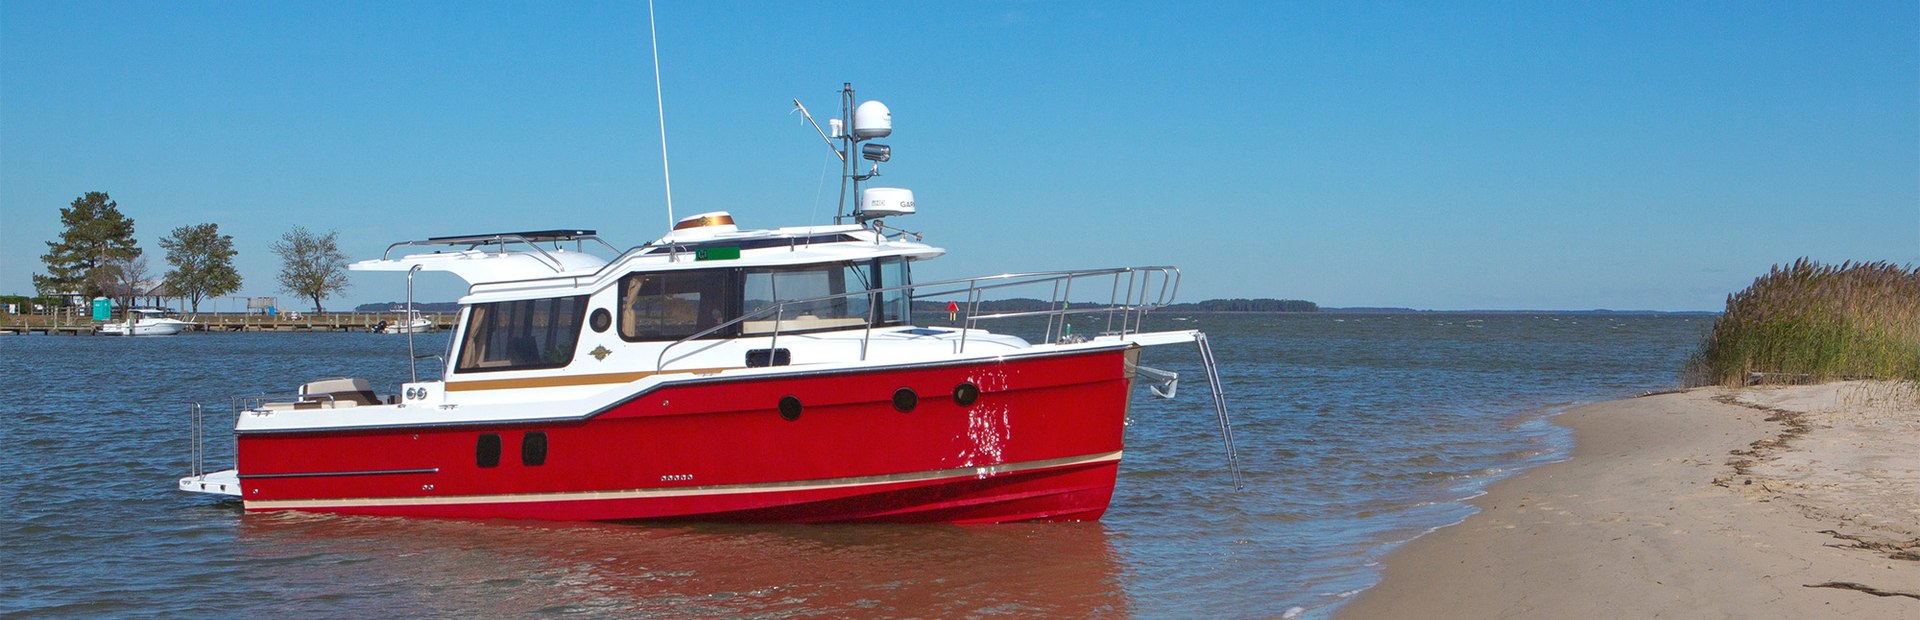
{"x": 226, "y": 323}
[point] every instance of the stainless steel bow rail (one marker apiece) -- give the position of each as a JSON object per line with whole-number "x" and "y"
{"x": 1141, "y": 294}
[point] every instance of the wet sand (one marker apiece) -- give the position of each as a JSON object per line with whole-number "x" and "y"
{"x": 1757, "y": 502}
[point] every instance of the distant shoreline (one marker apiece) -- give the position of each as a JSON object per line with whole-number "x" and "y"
{"x": 1554, "y": 312}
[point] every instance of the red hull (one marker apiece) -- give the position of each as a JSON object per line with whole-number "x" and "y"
{"x": 1042, "y": 442}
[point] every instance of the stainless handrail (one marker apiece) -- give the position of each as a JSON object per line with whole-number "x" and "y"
{"x": 412, "y": 369}
{"x": 199, "y": 438}
{"x": 1132, "y": 313}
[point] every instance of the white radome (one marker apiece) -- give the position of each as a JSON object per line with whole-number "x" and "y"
{"x": 872, "y": 119}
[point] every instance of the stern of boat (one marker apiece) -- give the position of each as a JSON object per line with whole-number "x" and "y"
{"x": 338, "y": 393}
{"x": 225, "y": 482}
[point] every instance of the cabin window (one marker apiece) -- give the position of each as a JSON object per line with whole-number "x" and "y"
{"x": 767, "y": 286}
{"x": 896, "y": 307}
{"x": 671, "y": 305}
{"x": 522, "y": 335}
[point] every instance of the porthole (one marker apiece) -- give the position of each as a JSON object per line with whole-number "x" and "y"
{"x": 600, "y": 320}
{"x": 533, "y": 449}
{"x": 905, "y": 400}
{"x": 965, "y": 393}
{"x": 790, "y": 408}
{"x": 486, "y": 452}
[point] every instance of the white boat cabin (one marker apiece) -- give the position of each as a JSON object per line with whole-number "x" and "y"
{"x": 706, "y": 297}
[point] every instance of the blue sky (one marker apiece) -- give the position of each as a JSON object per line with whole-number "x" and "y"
{"x": 1451, "y": 156}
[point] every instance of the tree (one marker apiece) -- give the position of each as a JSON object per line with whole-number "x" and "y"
{"x": 202, "y": 260}
{"x": 122, "y": 279}
{"x": 96, "y": 234}
{"x": 311, "y": 265}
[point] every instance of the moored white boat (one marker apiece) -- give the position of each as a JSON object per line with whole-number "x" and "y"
{"x": 725, "y": 374}
{"x": 146, "y": 322}
{"x": 412, "y": 323}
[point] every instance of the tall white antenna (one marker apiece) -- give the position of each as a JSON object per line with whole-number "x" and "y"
{"x": 661, "y": 106}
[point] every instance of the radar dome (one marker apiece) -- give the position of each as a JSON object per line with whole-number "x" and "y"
{"x": 877, "y": 202}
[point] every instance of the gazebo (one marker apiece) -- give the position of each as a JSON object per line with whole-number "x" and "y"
{"x": 154, "y": 293}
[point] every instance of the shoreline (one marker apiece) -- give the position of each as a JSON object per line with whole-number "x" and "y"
{"x": 1753, "y": 502}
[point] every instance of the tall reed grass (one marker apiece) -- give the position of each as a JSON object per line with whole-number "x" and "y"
{"x": 1817, "y": 322}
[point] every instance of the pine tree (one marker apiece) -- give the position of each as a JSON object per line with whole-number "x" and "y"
{"x": 96, "y": 235}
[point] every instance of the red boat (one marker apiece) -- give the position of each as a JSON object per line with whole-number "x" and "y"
{"x": 727, "y": 374}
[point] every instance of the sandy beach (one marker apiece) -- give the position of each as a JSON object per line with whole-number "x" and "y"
{"x": 1800, "y": 501}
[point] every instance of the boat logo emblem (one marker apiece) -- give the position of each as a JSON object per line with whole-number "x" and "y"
{"x": 600, "y": 353}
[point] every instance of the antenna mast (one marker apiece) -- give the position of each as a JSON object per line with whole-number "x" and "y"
{"x": 857, "y": 125}
{"x": 846, "y": 152}
{"x": 661, "y": 106}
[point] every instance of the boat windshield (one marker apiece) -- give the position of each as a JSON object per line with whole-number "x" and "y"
{"x": 676, "y": 304}
{"x": 766, "y": 286}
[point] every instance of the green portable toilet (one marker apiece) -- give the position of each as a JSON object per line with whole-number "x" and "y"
{"x": 102, "y": 309}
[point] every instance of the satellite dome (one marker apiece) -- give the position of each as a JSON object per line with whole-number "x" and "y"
{"x": 703, "y": 226}
{"x": 872, "y": 119}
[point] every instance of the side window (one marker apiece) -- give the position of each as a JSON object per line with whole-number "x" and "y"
{"x": 671, "y": 305}
{"x": 896, "y": 307}
{"x": 521, "y": 335}
{"x": 765, "y": 287}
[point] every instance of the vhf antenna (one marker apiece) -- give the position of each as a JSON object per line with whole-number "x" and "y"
{"x": 660, "y": 105}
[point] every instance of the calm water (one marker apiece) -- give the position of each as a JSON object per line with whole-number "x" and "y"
{"x": 1355, "y": 432}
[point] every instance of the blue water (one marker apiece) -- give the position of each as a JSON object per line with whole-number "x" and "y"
{"x": 1355, "y": 432}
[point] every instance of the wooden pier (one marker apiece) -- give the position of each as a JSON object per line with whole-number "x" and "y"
{"x": 227, "y": 323}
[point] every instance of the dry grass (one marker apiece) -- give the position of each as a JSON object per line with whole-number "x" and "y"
{"x": 1815, "y": 322}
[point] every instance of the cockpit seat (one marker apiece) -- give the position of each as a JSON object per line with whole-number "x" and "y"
{"x": 340, "y": 392}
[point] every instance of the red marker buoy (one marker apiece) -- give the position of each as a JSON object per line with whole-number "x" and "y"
{"x": 953, "y": 311}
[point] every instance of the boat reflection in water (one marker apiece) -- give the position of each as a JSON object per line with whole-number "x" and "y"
{"x": 397, "y": 566}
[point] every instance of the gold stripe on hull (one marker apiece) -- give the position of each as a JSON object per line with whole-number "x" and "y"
{"x": 570, "y": 380}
